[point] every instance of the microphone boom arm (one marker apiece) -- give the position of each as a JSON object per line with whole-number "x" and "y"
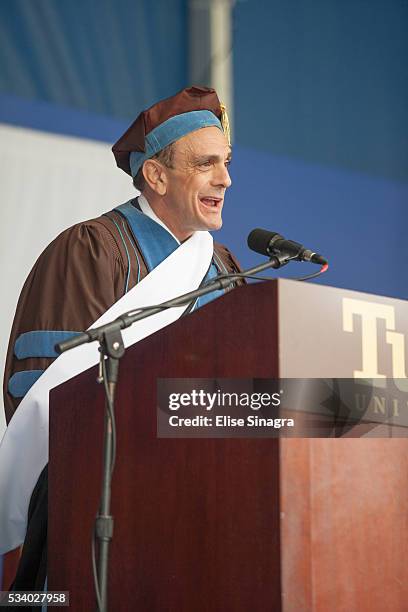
{"x": 127, "y": 319}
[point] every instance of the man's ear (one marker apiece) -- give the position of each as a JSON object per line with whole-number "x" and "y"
{"x": 155, "y": 176}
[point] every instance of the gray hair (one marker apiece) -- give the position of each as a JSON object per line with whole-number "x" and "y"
{"x": 165, "y": 156}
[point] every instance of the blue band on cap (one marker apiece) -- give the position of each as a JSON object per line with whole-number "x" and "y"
{"x": 169, "y": 131}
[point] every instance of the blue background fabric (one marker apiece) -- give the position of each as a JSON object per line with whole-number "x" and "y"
{"x": 106, "y": 57}
{"x": 328, "y": 78}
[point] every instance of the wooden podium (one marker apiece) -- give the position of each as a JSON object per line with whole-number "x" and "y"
{"x": 239, "y": 524}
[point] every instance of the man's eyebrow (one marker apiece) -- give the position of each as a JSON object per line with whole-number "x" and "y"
{"x": 215, "y": 158}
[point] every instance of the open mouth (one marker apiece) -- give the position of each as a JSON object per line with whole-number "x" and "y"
{"x": 211, "y": 202}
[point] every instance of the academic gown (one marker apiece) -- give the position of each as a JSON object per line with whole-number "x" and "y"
{"x": 79, "y": 276}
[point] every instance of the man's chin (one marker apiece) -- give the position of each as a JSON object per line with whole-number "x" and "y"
{"x": 214, "y": 227}
{"x": 209, "y": 225}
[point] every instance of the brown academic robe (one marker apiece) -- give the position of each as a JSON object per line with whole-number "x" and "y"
{"x": 76, "y": 279}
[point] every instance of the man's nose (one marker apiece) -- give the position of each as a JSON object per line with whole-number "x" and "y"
{"x": 222, "y": 177}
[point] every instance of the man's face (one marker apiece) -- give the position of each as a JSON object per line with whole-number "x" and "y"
{"x": 197, "y": 182}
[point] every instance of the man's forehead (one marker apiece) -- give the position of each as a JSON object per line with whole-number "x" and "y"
{"x": 209, "y": 140}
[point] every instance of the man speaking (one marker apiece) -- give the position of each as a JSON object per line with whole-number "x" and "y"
{"x": 177, "y": 153}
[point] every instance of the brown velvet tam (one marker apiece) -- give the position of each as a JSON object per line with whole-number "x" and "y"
{"x": 186, "y": 101}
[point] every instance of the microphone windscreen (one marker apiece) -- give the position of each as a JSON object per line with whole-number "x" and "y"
{"x": 259, "y": 240}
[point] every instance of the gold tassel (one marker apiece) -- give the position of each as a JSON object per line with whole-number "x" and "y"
{"x": 225, "y": 122}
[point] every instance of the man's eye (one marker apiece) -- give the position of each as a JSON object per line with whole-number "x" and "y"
{"x": 228, "y": 163}
{"x": 206, "y": 164}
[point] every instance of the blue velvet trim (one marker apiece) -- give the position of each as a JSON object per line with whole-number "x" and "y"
{"x": 169, "y": 131}
{"x": 21, "y": 382}
{"x": 157, "y": 244}
{"x": 154, "y": 241}
{"x": 40, "y": 343}
{"x": 209, "y": 297}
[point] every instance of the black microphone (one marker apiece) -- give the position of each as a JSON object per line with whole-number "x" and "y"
{"x": 271, "y": 243}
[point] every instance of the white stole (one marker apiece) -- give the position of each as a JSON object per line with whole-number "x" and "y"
{"x": 24, "y": 447}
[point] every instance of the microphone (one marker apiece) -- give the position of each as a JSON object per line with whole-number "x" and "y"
{"x": 271, "y": 243}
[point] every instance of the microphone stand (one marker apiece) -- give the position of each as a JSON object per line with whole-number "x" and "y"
{"x": 112, "y": 348}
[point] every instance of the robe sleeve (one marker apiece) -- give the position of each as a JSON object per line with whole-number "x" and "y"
{"x": 230, "y": 262}
{"x": 77, "y": 278}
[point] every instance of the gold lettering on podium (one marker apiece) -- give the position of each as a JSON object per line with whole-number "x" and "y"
{"x": 397, "y": 342}
{"x": 371, "y": 313}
